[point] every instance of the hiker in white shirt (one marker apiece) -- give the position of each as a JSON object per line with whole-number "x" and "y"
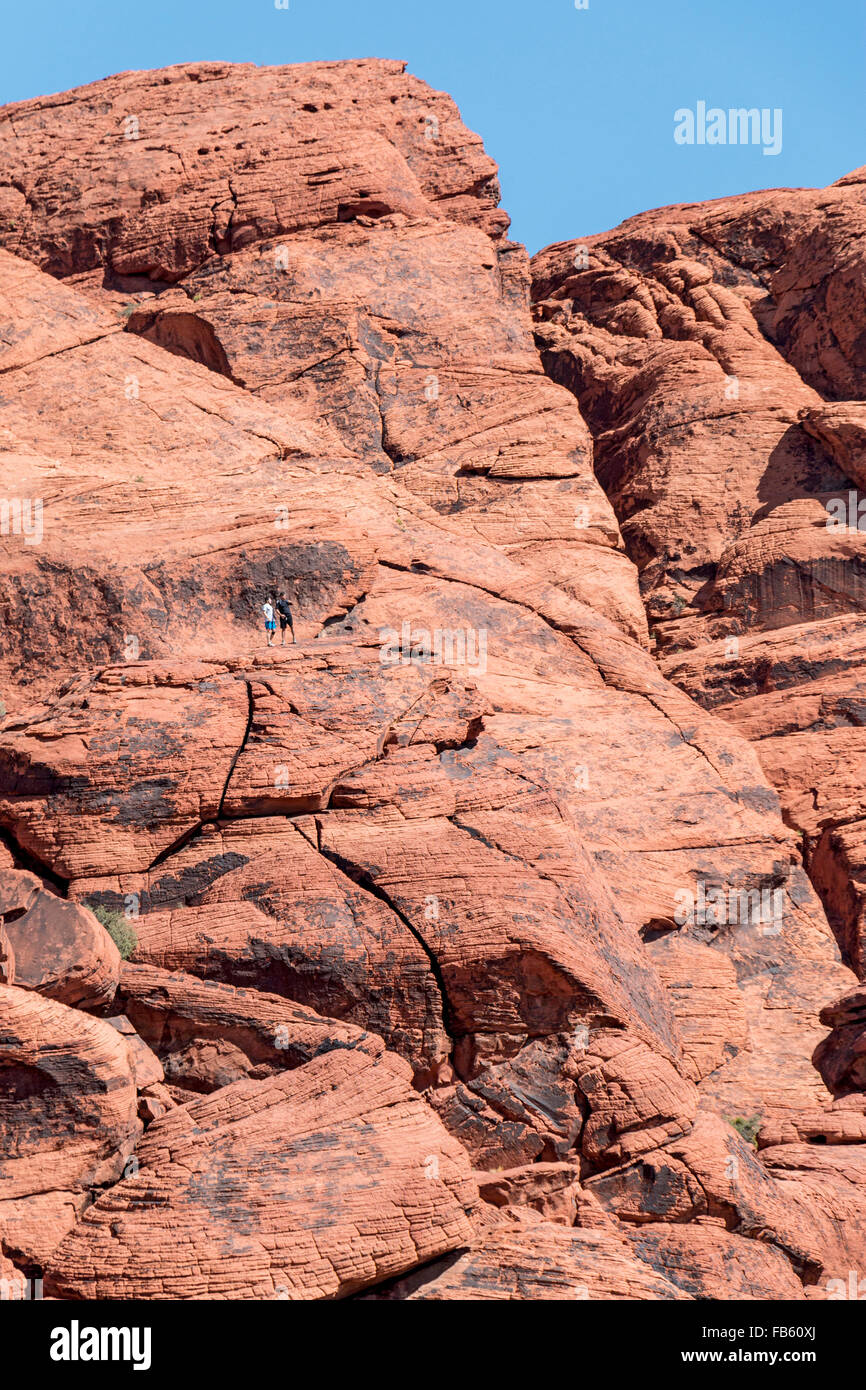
{"x": 270, "y": 622}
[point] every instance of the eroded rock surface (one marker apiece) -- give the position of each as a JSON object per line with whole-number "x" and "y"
{"x": 717, "y": 354}
{"x": 312, "y": 1184}
{"x": 69, "y": 1116}
{"x": 53, "y": 946}
{"x": 424, "y": 997}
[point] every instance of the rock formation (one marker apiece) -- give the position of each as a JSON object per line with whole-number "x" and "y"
{"x": 484, "y": 942}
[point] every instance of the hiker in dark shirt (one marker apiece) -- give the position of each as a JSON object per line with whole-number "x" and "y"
{"x": 284, "y": 613}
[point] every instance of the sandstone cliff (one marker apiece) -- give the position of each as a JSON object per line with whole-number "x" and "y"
{"x": 423, "y": 997}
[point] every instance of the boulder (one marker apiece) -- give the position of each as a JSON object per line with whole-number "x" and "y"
{"x": 55, "y": 947}
{"x": 68, "y": 1099}
{"x": 311, "y": 1184}
{"x": 208, "y": 1035}
{"x": 539, "y": 1261}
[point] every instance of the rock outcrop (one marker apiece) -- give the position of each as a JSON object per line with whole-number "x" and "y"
{"x": 731, "y": 333}
{"x": 313, "y": 1184}
{"x": 56, "y": 947}
{"x": 69, "y": 1116}
{"x": 463, "y": 934}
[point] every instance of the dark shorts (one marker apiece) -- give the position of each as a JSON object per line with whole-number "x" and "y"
{"x": 284, "y": 623}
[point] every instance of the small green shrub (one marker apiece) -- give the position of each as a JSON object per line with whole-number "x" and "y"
{"x": 748, "y": 1128}
{"x": 119, "y": 928}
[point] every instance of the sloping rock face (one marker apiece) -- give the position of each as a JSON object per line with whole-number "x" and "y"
{"x": 313, "y": 1185}
{"x": 68, "y": 1103}
{"x": 535, "y": 1261}
{"x": 423, "y": 999}
{"x": 717, "y": 352}
{"x": 210, "y": 1034}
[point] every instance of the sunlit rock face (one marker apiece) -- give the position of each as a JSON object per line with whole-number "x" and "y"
{"x": 467, "y": 938}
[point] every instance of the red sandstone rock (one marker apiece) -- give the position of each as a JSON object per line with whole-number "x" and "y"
{"x": 459, "y": 818}
{"x": 711, "y": 1172}
{"x": 705, "y": 999}
{"x": 662, "y": 331}
{"x": 699, "y": 331}
{"x": 646, "y": 700}
{"x": 323, "y": 142}
{"x": 842, "y": 1121}
{"x": 208, "y": 1035}
{"x": 311, "y": 1184}
{"x": 708, "y": 1262}
{"x": 795, "y": 691}
{"x": 68, "y": 1099}
{"x": 824, "y": 1184}
{"x": 252, "y": 904}
{"x": 539, "y": 1261}
{"x": 841, "y": 1057}
{"x": 102, "y": 725}
{"x": 57, "y": 948}
{"x": 551, "y": 1189}
{"x": 841, "y": 428}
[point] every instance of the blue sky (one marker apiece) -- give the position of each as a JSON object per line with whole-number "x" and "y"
{"x": 577, "y": 106}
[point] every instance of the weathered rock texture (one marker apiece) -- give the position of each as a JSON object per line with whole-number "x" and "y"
{"x": 313, "y": 1184}
{"x": 416, "y": 1005}
{"x": 717, "y": 351}
{"x": 69, "y": 1122}
{"x": 56, "y": 947}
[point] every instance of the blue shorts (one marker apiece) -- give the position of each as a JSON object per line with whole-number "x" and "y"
{"x": 271, "y": 627}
